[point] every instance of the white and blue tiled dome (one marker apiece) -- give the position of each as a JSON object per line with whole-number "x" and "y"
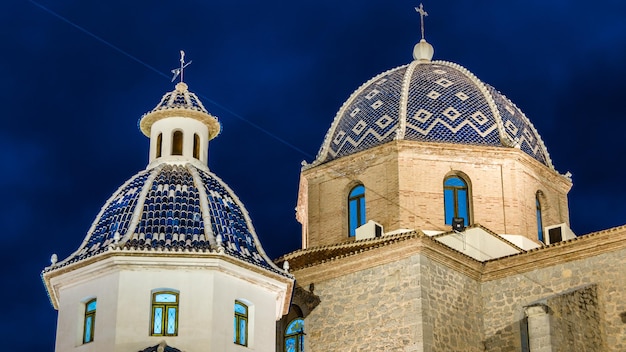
{"x": 175, "y": 205}
{"x": 429, "y": 101}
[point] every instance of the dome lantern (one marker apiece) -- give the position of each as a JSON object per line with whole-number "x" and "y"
{"x": 179, "y": 127}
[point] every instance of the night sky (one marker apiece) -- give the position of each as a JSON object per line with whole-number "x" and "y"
{"x": 79, "y": 74}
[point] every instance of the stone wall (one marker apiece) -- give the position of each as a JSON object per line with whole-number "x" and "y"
{"x": 575, "y": 322}
{"x": 418, "y": 295}
{"x": 451, "y": 309}
{"x": 376, "y": 309}
{"x": 414, "y": 304}
{"x": 504, "y": 301}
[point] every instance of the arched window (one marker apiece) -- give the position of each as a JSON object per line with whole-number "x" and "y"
{"x": 196, "y": 146}
{"x": 356, "y": 209}
{"x": 164, "y": 313}
{"x": 294, "y": 336}
{"x": 539, "y": 221}
{"x": 177, "y": 143}
{"x": 89, "y": 321}
{"x": 159, "y": 144}
{"x": 240, "y": 335}
{"x": 456, "y": 199}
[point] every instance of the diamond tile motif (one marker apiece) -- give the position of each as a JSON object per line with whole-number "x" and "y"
{"x": 339, "y": 137}
{"x": 384, "y": 121}
{"x": 528, "y": 135}
{"x": 433, "y": 102}
{"x": 461, "y": 96}
{"x": 359, "y": 127}
{"x": 372, "y": 94}
{"x": 444, "y": 82}
{"x": 422, "y": 115}
{"x": 511, "y": 128}
{"x": 433, "y": 95}
{"x": 377, "y": 104}
{"x": 479, "y": 117}
{"x": 451, "y": 113}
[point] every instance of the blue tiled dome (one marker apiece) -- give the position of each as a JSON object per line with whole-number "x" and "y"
{"x": 174, "y": 208}
{"x": 428, "y": 101}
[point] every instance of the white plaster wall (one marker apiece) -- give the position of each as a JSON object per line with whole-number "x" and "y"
{"x": 207, "y": 289}
{"x": 188, "y": 126}
{"x": 261, "y": 319}
{"x": 104, "y": 287}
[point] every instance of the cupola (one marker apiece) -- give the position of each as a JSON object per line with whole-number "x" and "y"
{"x": 179, "y": 127}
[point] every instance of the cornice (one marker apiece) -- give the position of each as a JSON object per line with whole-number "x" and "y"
{"x": 123, "y": 258}
{"x": 379, "y": 252}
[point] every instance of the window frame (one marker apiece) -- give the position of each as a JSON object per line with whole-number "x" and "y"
{"x": 165, "y": 313}
{"x": 356, "y": 197}
{"x": 239, "y": 318}
{"x": 539, "y": 217}
{"x": 298, "y": 335}
{"x": 89, "y": 320}
{"x": 453, "y": 192}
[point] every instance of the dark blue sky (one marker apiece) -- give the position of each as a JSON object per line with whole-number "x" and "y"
{"x": 71, "y": 102}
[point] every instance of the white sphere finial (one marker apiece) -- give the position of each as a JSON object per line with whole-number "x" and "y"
{"x": 54, "y": 259}
{"x": 423, "y": 51}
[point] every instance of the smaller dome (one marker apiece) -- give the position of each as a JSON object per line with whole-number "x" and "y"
{"x": 174, "y": 208}
{"x": 180, "y": 103}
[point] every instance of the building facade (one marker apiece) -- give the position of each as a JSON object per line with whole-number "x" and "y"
{"x": 433, "y": 220}
{"x": 172, "y": 261}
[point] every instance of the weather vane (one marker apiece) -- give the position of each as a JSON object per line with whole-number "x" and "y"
{"x": 423, "y": 14}
{"x": 179, "y": 71}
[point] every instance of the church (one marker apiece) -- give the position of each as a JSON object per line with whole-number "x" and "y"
{"x": 433, "y": 219}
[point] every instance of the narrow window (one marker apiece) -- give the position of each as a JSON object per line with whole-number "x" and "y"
{"x": 159, "y": 144}
{"x": 356, "y": 209}
{"x": 89, "y": 322}
{"x": 294, "y": 336}
{"x": 539, "y": 222}
{"x": 164, "y": 314}
{"x": 456, "y": 199}
{"x": 177, "y": 143}
{"x": 240, "y": 335}
{"x": 196, "y": 146}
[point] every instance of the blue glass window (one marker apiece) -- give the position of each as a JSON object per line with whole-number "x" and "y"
{"x": 294, "y": 336}
{"x": 356, "y": 209}
{"x": 164, "y": 314}
{"x": 240, "y": 335}
{"x": 89, "y": 322}
{"x": 539, "y": 222}
{"x": 456, "y": 199}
